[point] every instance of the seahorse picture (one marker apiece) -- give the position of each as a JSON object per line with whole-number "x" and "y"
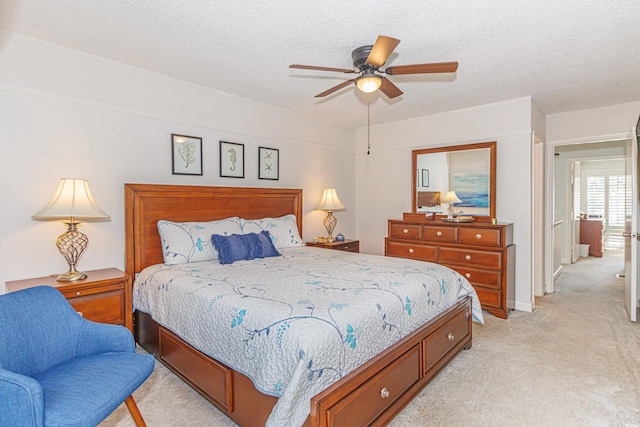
{"x": 231, "y": 159}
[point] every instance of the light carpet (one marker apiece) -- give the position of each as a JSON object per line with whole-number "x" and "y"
{"x": 574, "y": 361}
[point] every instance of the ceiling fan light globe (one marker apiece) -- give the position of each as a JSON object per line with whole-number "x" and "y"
{"x": 369, "y": 84}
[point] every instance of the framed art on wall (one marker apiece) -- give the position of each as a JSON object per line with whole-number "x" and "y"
{"x": 425, "y": 177}
{"x": 231, "y": 159}
{"x": 268, "y": 163}
{"x": 472, "y": 187}
{"x": 186, "y": 155}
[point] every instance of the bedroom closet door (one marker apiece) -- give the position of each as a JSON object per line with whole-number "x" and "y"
{"x": 631, "y": 241}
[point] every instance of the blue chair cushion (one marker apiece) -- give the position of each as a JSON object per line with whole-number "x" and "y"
{"x": 84, "y": 391}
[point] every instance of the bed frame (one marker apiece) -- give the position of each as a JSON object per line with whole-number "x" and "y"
{"x": 370, "y": 395}
{"x": 428, "y": 198}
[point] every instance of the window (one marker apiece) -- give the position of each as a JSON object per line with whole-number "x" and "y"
{"x": 605, "y": 198}
{"x": 595, "y": 196}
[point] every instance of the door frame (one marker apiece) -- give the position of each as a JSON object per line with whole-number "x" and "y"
{"x": 549, "y": 197}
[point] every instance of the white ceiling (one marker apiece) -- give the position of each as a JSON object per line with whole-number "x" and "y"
{"x": 566, "y": 54}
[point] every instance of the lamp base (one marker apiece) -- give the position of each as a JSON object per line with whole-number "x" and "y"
{"x": 330, "y": 222}
{"x": 71, "y": 245}
{"x": 71, "y": 276}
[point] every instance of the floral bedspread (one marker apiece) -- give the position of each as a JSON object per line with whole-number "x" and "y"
{"x": 297, "y": 323}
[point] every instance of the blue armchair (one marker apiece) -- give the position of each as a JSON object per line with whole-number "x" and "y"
{"x": 58, "y": 369}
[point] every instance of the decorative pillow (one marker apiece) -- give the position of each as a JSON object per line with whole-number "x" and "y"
{"x": 243, "y": 247}
{"x": 191, "y": 241}
{"x": 283, "y": 230}
{"x": 236, "y": 247}
{"x": 266, "y": 244}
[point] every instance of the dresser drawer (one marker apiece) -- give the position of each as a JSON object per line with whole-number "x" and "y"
{"x": 480, "y": 236}
{"x": 411, "y": 250}
{"x": 439, "y": 234}
{"x": 363, "y": 405}
{"x": 446, "y": 337}
{"x": 104, "y": 304}
{"x": 488, "y": 278}
{"x": 489, "y": 298}
{"x": 405, "y": 231}
{"x": 470, "y": 257}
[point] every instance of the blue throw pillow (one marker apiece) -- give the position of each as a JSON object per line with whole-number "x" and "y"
{"x": 232, "y": 248}
{"x": 238, "y": 247}
{"x": 266, "y": 244}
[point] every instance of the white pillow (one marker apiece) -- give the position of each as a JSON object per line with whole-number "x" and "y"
{"x": 191, "y": 241}
{"x": 283, "y": 230}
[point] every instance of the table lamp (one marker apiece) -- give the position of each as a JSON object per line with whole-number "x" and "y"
{"x": 329, "y": 203}
{"x": 451, "y": 198}
{"x": 72, "y": 204}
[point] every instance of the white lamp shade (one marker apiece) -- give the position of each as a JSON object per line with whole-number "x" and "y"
{"x": 72, "y": 202}
{"x": 451, "y": 197}
{"x": 369, "y": 84}
{"x": 330, "y": 201}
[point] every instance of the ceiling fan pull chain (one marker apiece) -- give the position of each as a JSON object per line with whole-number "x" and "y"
{"x": 368, "y": 124}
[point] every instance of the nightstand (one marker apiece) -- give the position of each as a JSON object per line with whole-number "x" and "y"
{"x": 104, "y": 296}
{"x": 346, "y": 245}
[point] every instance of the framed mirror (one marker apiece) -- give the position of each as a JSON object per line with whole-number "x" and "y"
{"x": 469, "y": 170}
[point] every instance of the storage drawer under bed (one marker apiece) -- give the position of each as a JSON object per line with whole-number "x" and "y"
{"x": 191, "y": 364}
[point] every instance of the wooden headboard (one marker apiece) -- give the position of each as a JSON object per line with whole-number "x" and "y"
{"x": 146, "y": 204}
{"x": 428, "y": 198}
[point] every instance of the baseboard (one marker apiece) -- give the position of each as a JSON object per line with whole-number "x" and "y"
{"x": 524, "y": 306}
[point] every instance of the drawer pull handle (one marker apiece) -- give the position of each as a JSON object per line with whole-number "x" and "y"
{"x": 78, "y": 293}
{"x": 468, "y": 257}
{"x": 478, "y": 236}
{"x": 80, "y": 314}
{"x": 439, "y": 233}
{"x": 384, "y": 393}
{"x": 411, "y": 250}
{"x": 405, "y": 231}
{"x": 468, "y": 275}
{"x": 451, "y": 337}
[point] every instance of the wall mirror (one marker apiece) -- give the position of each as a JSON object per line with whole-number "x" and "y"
{"x": 469, "y": 170}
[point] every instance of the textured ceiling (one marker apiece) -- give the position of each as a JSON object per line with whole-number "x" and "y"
{"x": 566, "y": 54}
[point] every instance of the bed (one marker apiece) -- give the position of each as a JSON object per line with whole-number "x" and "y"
{"x": 332, "y": 392}
{"x": 428, "y": 199}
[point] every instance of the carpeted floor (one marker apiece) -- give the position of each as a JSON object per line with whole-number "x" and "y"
{"x": 574, "y": 361}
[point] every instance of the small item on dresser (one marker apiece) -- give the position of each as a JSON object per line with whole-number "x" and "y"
{"x": 459, "y": 218}
{"x": 340, "y": 237}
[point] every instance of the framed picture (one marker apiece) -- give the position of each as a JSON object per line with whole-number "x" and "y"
{"x": 231, "y": 159}
{"x": 472, "y": 187}
{"x": 425, "y": 177}
{"x": 268, "y": 163}
{"x": 186, "y": 155}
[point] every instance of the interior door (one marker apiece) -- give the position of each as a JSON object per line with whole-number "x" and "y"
{"x": 631, "y": 241}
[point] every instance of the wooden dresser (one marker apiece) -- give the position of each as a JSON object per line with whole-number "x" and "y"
{"x": 482, "y": 252}
{"x": 592, "y": 233}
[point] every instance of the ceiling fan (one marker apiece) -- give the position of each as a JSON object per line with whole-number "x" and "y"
{"x": 367, "y": 61}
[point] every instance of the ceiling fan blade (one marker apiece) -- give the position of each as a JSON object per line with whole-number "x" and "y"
{"x": 381, "y": 50}
{"x": 436, "y": 67}
{"x": 335, "y": 88}
{"x": 313, "y": 67}
{"x": 389, "y": 88}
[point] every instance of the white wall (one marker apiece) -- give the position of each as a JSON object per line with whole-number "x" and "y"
{"x": 68, "y": 114}
{"x": 596, "y": 124}
{"x": 383, "y": 178}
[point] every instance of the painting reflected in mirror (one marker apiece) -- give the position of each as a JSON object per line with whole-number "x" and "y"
{"x": 468, "y": 170}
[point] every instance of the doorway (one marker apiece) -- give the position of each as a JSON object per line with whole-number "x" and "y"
{"x": 587, "y": 179}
